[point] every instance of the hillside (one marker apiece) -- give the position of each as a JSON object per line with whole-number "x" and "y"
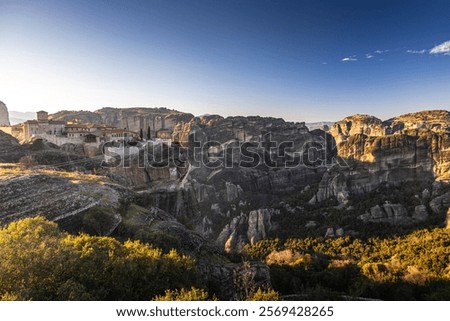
{"x": 272, "y": 191}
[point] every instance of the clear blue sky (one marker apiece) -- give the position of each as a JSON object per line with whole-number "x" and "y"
{"x": 300, "y": 60}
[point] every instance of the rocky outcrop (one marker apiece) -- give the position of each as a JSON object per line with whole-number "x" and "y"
{"x": 412, "y": 147}
{"x": 10, "y": 149}
{"x": 413, "y": 140}
{"x": 246, "y": 228}
{"x": 56, "y": 195}
{"x": 133, "y": 119}
{"x": 433, "y": 120}
{"x": 4, "y": 116}
{"x": 355, "y": 125}
{"x": 210, "y": 198}
{"x": 244, "y": 129}
{"x": 440, "y": 203}
{"x": 331, "y": 232}
{"x": 233, "y": 191}
{"x": 222, "y": 203}
{"x": 258, "y": 223}
{"x": 332, "y": 185}
{"x": 394, "y": 214}
{"x": 420, "y": 213}
{"x": 161, "y": 229}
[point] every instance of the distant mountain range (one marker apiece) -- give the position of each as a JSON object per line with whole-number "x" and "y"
{"x": 319, "y": 124}
{"x": 17, "y": 117}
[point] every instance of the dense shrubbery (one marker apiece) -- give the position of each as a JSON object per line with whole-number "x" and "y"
{"x": 327, "y": 214}
{"x": 39, "y": 262}
{"x": 413, "y": 266}
{"x": 193, "y": 294}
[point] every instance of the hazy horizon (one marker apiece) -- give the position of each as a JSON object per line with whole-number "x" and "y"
{"x": 197, "y": 115}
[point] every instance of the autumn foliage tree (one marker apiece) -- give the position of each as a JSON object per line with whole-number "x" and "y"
{"x": 39, "y": 262}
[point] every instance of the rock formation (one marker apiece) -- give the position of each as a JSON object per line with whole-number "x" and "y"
{"x": 219, "y": 195}
{"x": 66, "y": 195}
{"x": 246, "y": 229}
{"x": 395, "y": 214}
{"x": 133, "y": 119}
{"x": 357, "y": 124}
{"x": 412, "y": 147}
{"x": 4, "y": 116}
{"x": 10, "y": 149}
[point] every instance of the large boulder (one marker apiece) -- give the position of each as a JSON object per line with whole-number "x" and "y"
{"x": 10, "y": 149}
{"x": 357, "y": 124}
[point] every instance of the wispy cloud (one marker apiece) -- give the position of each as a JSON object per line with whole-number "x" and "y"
{"x": 443, "y": 48}
{"x": 351, "y": 58}
{"x": 417, "y": 52}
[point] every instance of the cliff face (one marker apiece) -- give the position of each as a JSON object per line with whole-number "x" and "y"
{"x": 243, "y": 129}
{"x": 412, "y": 147}
{"x": 229, "y": 204}
{"x": 434, "y": 120}
{"x": 94, "y": 204}
{"x": 132, "y": 119}
{"x": 419, "y": 140}
{"x": 228, "y": 195}
{"x": 216, "y": 199}
{"x": 4, "y": 116}
{"x": 355, "y": 125}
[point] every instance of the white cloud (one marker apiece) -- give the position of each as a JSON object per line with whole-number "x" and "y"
{"x": 443, "y": 48}
{"x": 419, "y": 52}
{"x": 379, "y": 52}
{"x": 324, "y": 63}
{"x": 369, "y": 56}
{"x": 351, "y": 58}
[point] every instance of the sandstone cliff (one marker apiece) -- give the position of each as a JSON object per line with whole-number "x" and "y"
{"x": 357, "y": 124}
{"x": 412, "y": 147}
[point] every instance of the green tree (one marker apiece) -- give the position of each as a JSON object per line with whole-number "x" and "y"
{"x": 39, "y": 262}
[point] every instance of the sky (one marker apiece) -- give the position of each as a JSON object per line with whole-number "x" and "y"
{"x": 305, "y": 60}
